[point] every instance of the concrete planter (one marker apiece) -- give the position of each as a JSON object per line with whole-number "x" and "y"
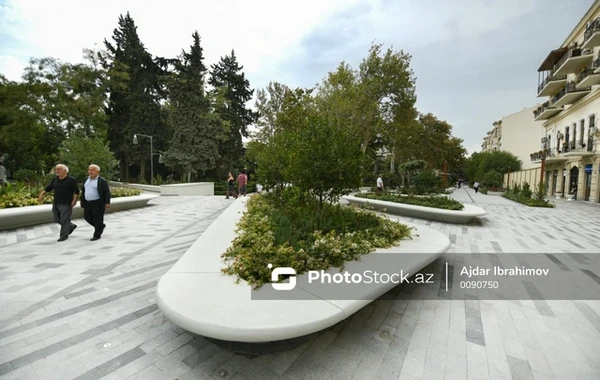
{"x": 195, "y": 188}
{"x": 429, "y": 213}
{"x": 17, "y": 217}
{"x": 195, "y": 295}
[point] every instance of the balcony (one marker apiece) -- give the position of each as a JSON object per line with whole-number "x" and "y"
{"x": 579, "y": 149}
{"x": 569, "y": 95}
{"x": 550, "y": 155}
{"x": 551, "y": 84}
{"x": 590, "y": 76}
{"x": 573, "y": 61}
{"x": 546, "y": 111}
{"x": 591, "y": 37}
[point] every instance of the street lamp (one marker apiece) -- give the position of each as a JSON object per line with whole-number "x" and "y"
{"x": 135, "y": 142}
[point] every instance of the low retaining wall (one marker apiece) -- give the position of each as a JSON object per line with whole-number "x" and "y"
{"x": 194, "y": 188}
{"x": 195, "y": 295}
{"x": 148, "y": 188}
{"x": 17, "y": 217}
{"x": 429, "y": 213}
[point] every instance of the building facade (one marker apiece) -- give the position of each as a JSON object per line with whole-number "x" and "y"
{"x": 493, "y": 140}
{"x": 569, "y": 78}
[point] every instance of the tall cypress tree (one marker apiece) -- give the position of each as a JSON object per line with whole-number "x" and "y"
{"x": 227, "y": 77}
{"x": 134, "y": 102}
{"x": 194, "y": 146}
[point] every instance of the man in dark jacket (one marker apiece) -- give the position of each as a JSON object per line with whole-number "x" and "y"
{"x": 65, "y": 198}
{"x": 95, "y": 200}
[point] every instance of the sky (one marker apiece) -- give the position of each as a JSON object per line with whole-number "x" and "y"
{"x": 475, "y": 61}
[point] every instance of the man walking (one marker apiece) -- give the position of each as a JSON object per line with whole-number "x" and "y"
{"x": 95, "y": 200}
{"x": 65, "y": 198}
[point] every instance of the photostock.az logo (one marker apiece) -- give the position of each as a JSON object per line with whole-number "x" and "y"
{"x": 285, "y": 271}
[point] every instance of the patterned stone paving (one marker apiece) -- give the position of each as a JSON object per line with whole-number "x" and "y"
{"x": 86, "y": 310}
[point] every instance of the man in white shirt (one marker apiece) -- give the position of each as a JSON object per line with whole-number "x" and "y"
{"x": 95, "y": 200}
{"x": 379, "y": 184}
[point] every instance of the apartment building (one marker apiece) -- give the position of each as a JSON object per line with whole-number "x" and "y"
{"x": 493, "y": 140}
{"x": 569, "y": 78}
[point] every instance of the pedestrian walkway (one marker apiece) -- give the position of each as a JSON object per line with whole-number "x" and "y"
{"x": 86, "y": 310}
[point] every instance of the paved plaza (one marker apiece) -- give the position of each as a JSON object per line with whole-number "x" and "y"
{"x": 86, "y": 310}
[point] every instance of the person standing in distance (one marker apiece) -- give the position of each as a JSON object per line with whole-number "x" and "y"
{"x": 379, "y": 184}
{"x": 95, "y": 200}
{"x": 66, "y": 192}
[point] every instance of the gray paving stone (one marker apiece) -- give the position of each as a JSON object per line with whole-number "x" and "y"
{"x": 112, "y": 292}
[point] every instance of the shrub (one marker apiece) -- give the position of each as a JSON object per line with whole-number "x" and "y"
{"x": 427, "y": 182}
{"x": 284, "y": 231}
{"x": 431, "y": 201}
{"x": 117, "y": 192}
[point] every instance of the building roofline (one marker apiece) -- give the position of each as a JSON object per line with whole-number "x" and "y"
{"x": 580, "y": 27}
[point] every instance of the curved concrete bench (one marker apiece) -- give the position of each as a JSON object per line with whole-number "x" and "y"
{"x": 195, "y": 295}
{"x": 16, "y": 217}
{"x": 430, "y": 213}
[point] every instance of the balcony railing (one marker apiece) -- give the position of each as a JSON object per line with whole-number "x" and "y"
{"x": 571, "y": 53}
{"x": 570, "y": 87}
{"x": 593, "y": 28}
{"x": 549, "y": 79}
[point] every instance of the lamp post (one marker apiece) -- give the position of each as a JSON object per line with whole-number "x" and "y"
{"x": 135, "y": 142}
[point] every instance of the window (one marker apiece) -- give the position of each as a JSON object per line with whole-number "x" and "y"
{"x": 581, "y": 131}
{"x": 574, "y": 133}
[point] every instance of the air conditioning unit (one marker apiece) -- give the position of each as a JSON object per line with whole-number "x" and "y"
{"x": 544, "y": 140}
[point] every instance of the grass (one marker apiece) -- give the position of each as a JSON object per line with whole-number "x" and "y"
{"x": 287, "y": 232}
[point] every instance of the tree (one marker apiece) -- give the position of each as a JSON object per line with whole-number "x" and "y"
{"x": 197, "y": 130}
{"x": 79, "y": 152}
{"x": 25, "y": 142}
{"x": 227, "y": 75}
{"x": 375, "y": 101}
{"x": 479, "y": 164}
{"x": 135, "y": 96}
{"x": 268, "y": 105}
{"x": 68, "y": 97}
{"x": 318, "y": 157}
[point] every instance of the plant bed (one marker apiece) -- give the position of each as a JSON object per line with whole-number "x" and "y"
{"x": 532, "y": 202}
{"x": 416, "y": 208}
{"x": 421, "y": 200}
{"x": 289, "y": 235}
{"x": 198, "y": 296}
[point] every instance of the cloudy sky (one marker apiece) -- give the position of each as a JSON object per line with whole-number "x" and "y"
{"x": 475, "y": 60}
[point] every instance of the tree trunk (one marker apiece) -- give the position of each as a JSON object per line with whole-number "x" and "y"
{"x": 143, "y": 169}
{"x": 189, "y": 177}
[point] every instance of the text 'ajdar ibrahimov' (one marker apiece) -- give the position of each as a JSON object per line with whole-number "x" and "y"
{"x": 471, "y": 271}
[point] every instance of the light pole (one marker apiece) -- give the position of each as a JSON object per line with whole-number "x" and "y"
{"x": 135, "y": 142}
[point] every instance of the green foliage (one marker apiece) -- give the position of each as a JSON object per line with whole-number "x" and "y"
{"x": 288, "y": 234}
{"x": 79, "y": 152}
{"x": 117, "y": 192}
{"x": 441, "y": 202}
{"x": 227, "y": 78}
{"x": 479, "y": 164}
{"x": 197, "y": 130}
{"x": 526, "y": 196}
{"x": 492, "y": 179}
{"x": 319, "y": 158}
{"x": 21, "y": 195}
{"x": 427, "y": 182}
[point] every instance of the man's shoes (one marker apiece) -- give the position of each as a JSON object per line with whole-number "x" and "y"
{"x": 72, "y": 228}
{"x": 63, "y": 238}
{"x": 95, "y": 238}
